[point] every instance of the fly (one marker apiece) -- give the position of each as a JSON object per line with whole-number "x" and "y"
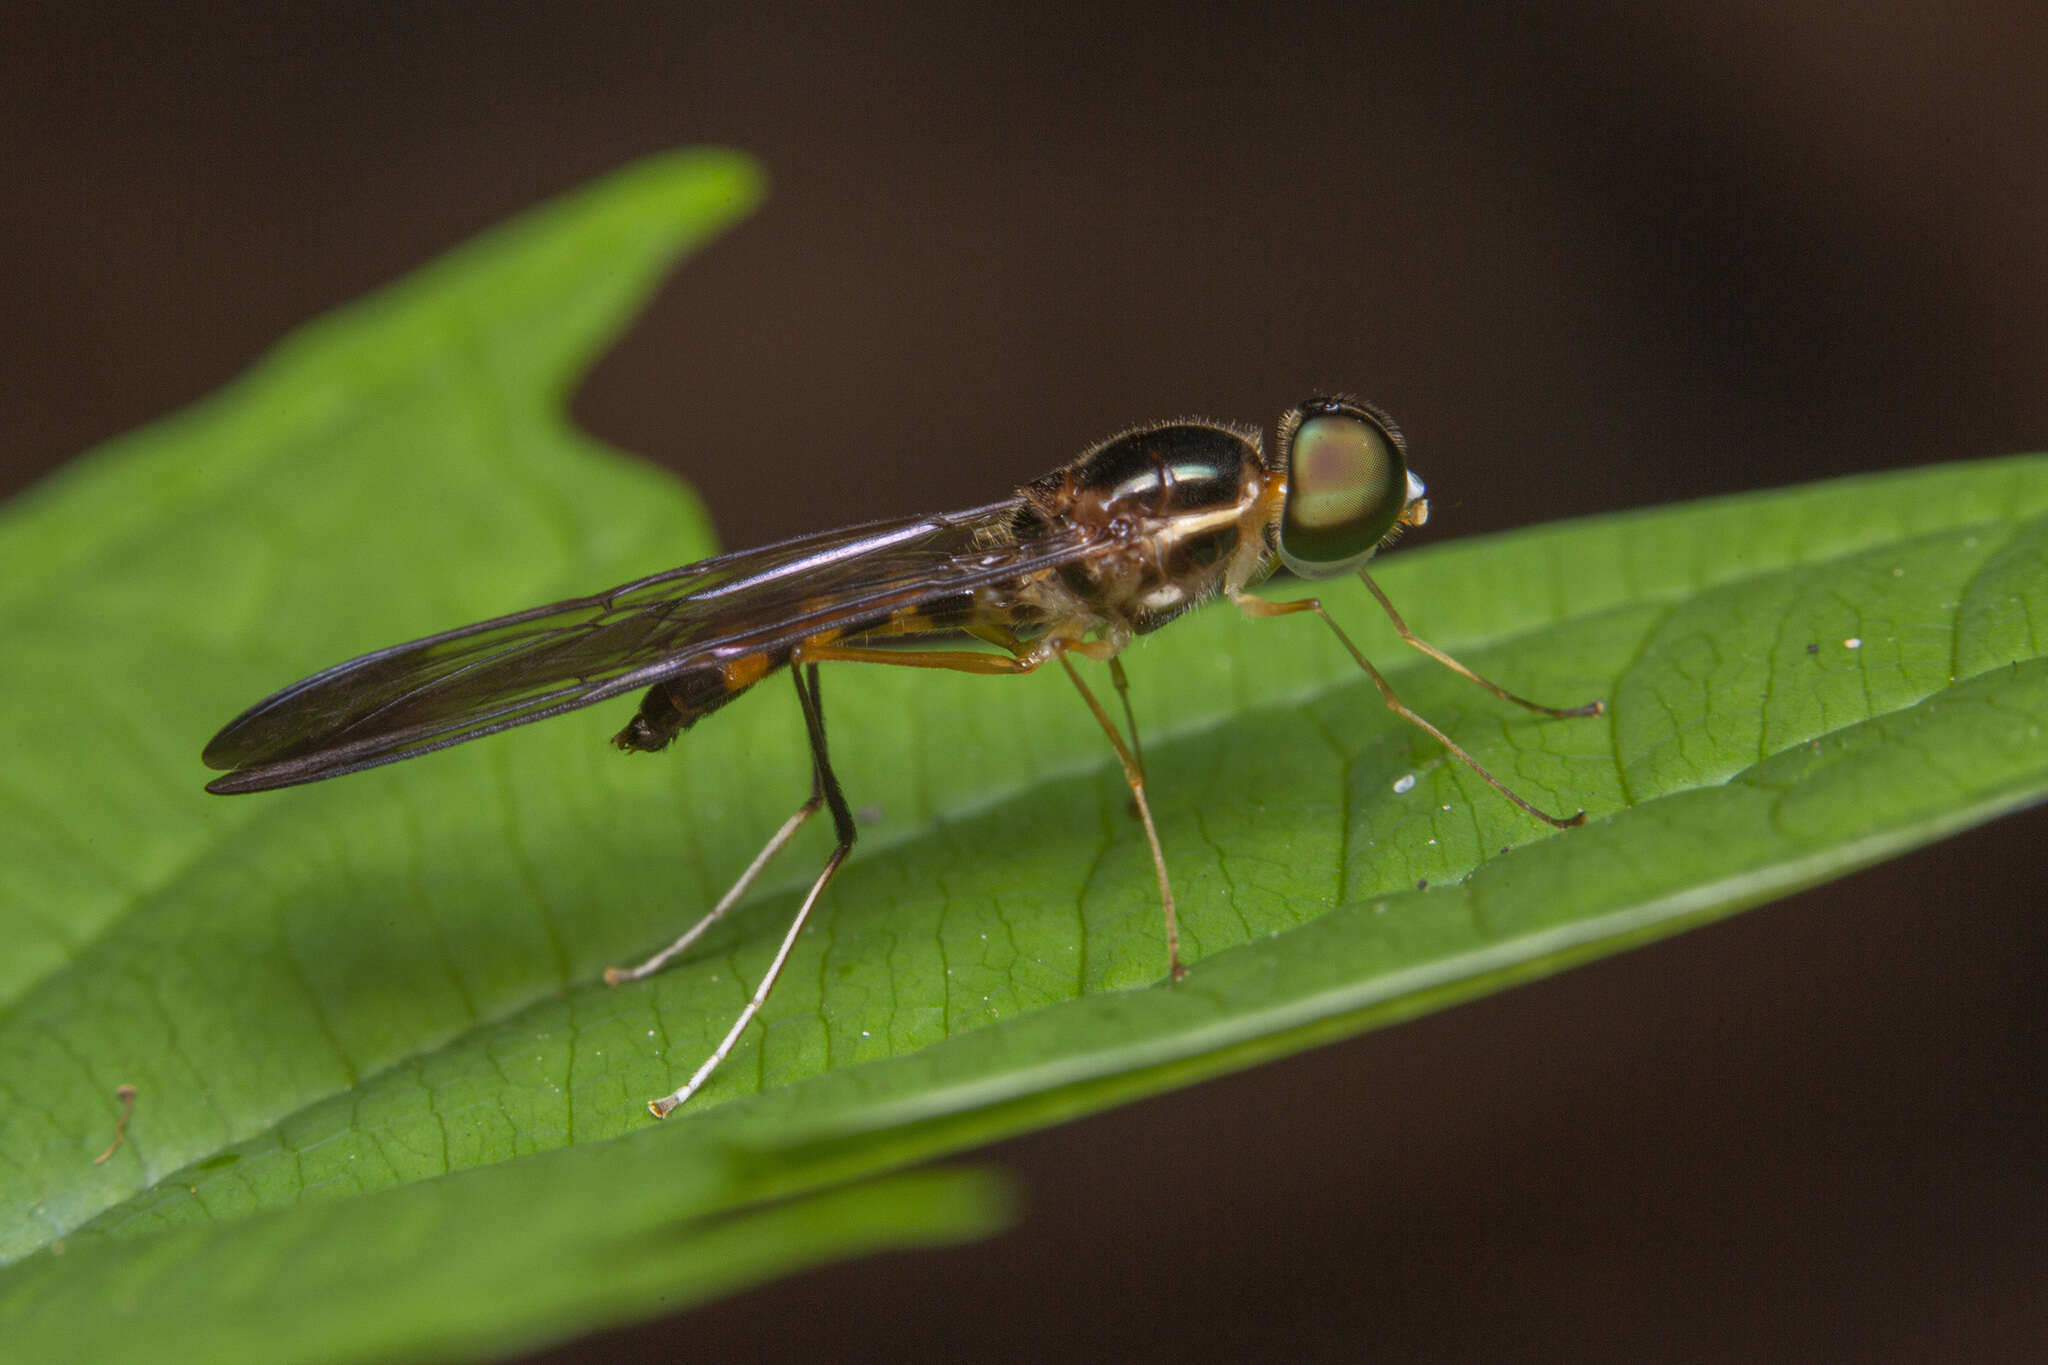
{"x": 1140, "y": 528}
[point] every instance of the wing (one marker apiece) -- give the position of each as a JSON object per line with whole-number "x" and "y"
{"x": 462, "y": 684}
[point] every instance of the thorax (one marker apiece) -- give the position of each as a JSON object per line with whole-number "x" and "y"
{"x": 1188, "y": 508}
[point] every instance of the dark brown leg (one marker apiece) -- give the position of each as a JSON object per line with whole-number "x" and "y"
{"x": 1134, "y": 774}
{"x": 825, "y": 791}
{"x": 825, "y": 784}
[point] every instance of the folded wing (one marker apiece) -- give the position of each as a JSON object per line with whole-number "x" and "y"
{"x": 476, "y": 680}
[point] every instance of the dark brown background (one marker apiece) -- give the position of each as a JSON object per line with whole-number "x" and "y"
{"x": 1603, "y": 257}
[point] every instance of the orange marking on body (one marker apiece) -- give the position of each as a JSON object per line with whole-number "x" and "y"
{"x": 745, "y": 671}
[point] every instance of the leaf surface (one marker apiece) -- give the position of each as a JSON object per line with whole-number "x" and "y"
{"x": 364, "y": 1019}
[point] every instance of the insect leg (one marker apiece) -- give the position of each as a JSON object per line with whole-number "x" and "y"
{"x": 822, "y": 779}
{"x": 614, "y": 976}
{"x": 1123, "y": 691}
{"x": 958, "y": 660}
{"x": 1261, "y": 608}
{"x": 821, "y": 774}
{"x": 967, "y": 661}
{"x": 1409, "y": 637}
{"x": 1134, "y": 778}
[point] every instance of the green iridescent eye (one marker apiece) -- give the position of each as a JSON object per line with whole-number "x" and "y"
{"x": 1347, "y": 484}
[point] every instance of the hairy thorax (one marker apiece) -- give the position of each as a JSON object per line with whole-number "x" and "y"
{"x": 1185, "y": 510}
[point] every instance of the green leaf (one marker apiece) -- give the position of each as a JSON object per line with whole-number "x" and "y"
{"x": 373, "y": 1061}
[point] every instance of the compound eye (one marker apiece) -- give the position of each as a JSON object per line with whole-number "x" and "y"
{"x": 1347, "y": 485}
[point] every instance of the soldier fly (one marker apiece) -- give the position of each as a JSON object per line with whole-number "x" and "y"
{"x": 1140, "y": 528}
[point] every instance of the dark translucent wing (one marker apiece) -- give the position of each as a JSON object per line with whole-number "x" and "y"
{"x": 462, "y": 684}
